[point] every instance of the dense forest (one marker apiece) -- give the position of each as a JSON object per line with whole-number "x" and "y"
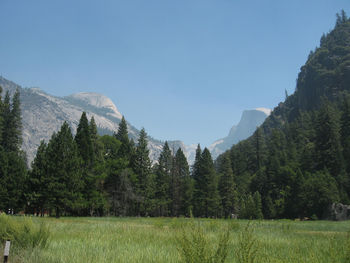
{"x": 298, "y": 161}
{"x": 295, "y": 165}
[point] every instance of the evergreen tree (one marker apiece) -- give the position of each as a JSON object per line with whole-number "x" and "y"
{"x": 86, "y": 149}
{"x": 318, "y": 192}
{"x": 96, "y": 145}
{"x": 249, "y": 211}
{"x": 227, "y": 188}
{"x": 163, "y": 177}
{"x": 15, "y": 181}
{"x": 64, "y": 175}
{"x": 258, "y": 206}
{"x": 186, "y": 182}
{"x": 7, "y": 123}
{"x": 1, "y": 116}
{"x": 198, "y": 195}
{"x": 12, "y": 159}
{"x": 37, "y": 193}
{"x": 345, "y": 139}
{"x": 210, "y": 185}
{"x": 142, "y": 168}
{"x": 84, "y": 142}
{"x": 125, "y": 150}
{"x": 328, "y": 140}
{"x": 12, "y": 126}
{"x": 181, "y": 186}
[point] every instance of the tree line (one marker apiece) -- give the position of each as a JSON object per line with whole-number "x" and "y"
{"x": 295, "y": 165}
{"x": 92, "y": 175}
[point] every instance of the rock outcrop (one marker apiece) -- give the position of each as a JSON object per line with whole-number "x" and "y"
{"x": 338, "y": 212}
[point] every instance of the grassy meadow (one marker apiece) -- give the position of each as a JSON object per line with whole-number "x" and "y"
{"x": 179, "y": 239}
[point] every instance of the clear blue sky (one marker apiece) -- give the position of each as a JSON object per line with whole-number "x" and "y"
{"x": 183, "y": 69}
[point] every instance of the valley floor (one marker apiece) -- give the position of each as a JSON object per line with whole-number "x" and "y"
{"x": 157, "y": 240}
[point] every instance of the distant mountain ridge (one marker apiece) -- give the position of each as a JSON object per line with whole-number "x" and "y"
{"x": 250, "y": 120}
{"x": 43, "y": 114}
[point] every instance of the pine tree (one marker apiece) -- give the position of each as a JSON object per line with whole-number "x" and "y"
{"x": 13, "y": 160}
{"x": 37, "y": 194}
{"x": 328, "y": 140}
{"x": 15, "y": 181}
{"x": 142, "y": 168}
{"x": 249, "y": 206}
{"x": 210, "y": 185}
{"x": 345, "y": 139}
{"x": 96, "y": 145}
{"x": 198, "y": 195}
{"x": 125, "y": 150}
{"x": 227, "y": 188}
{"x": 163, "y": 178}
{"x": 181, "y": 186}
{"x": 186, "y": 182}
{"x": 12, "y": 126}
{"x": 1, "y": 116}
{"x": 7, "y": 122}
{"x": 64, "y": 174}
{"x": 3, "y": 161}
{"x": 258, "y": 205}
{"x": 84, "y": 142}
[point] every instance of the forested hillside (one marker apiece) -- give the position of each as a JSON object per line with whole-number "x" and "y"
{"x": 298, "y": 161}
{"x": 295, "y": 165}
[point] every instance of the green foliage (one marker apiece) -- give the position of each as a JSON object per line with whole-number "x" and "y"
{"x": 227, "y": 189}
{"x": 24, "y": 233}
{"x": 318, "y": 191}
{"x": 142, "y": 168}
{"x": 347, "y": 248}
{"x": 195, "y": 246}
{"x": 13, "y": 168}
{"x": 163, "y": 173}
{"x": 12, "y": 123}
{"x": 84, "y": 141}
{"x": 248, "y": 246}
{"x": 298, "y": 159}
{"x": 122, "y": 135}
{"x": 64, "y": 173}
{"x": 206, "y": 185}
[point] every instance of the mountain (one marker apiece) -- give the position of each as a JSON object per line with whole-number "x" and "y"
{"x": 298, "y": 160}
{"x": 43, "y": 114}
{"x": 250, "y": 120}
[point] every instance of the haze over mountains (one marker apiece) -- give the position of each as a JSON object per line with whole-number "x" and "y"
{"x": 43, "y": 114}
{"x": 250, "y": 120}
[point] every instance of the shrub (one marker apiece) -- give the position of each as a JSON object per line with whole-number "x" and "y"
{"x": 194, "y": 245}
{"x": 23, "y": 233}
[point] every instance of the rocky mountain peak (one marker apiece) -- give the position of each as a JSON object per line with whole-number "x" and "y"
{"x": 250, "y": 120}
{"x": 99, "y": 101}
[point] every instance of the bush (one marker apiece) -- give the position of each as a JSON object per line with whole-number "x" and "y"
{"x": 194, "y": 245}
{"x": 23, "y": 233}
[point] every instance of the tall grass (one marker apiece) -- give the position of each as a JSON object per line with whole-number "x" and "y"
{"x": 23, "y": 233}
{"x": 195, "y": 245}
{"x": 248, "y": 247}
{"x": 109, "y": 240}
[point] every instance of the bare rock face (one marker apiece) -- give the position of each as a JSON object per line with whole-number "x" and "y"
{"x": 250, "y": 120}
{"x": 44, "y": 114}
{"x": 338, "y": 212}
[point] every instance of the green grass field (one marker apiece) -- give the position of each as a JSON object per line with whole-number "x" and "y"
{"x": 158, "y": 240}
